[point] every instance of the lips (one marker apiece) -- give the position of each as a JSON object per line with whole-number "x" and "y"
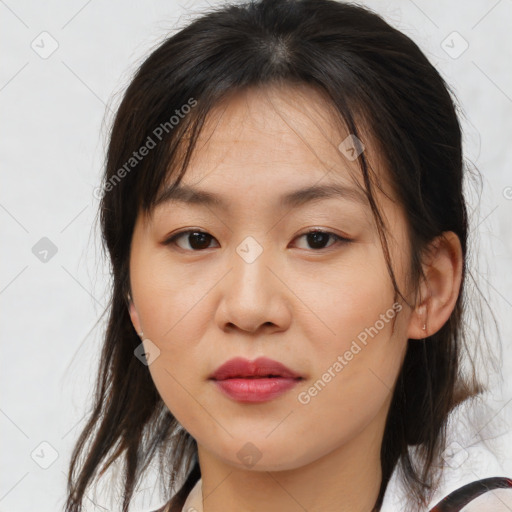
{"x": 259, "y": 368}
{"x": 255, "y": 381}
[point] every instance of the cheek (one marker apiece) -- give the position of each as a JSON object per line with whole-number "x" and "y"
{"x": 175, "y": 384}
{"x": 169, "y": 296}
{"x": 356, "y": 355}
{"x": 345, "y": 299}
{"x": 169, "y": 304}
{"x": 357, "y": 369}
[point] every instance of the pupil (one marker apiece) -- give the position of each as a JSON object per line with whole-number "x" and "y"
{"x": 202, "y": 238}
{"x": 315, "y": 239}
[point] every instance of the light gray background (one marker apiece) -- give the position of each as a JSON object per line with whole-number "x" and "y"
{"x": 56, "y": 109}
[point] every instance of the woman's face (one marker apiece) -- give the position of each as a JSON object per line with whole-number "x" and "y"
{"x": 256, "y": 285}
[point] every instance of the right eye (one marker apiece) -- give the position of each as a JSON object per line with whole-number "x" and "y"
{"x": 198, "y": 240}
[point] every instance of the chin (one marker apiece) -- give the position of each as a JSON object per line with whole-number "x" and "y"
{"x": 263, "y": 454}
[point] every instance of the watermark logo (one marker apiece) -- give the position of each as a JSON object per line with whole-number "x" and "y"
{"x": 44, "y": 455}
{"x": 454, "y": 45}
{"x": 147, "y": 352}
{"x": 249, "y": 249}
{"x": 44, "y": 250}
{"x": 45, "y": 45}
{"x": 454, "y": 455}
{"x": 351, "y": 147}
{"x": 249, "y": 454}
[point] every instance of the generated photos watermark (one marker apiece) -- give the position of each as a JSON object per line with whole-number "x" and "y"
{"x": 149, "y": 144}
{"x": 304, "y": 397}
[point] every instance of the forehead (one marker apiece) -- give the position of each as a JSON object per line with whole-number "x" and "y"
{"x": 270, "y": 132}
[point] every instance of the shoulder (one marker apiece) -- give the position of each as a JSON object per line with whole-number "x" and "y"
{"x": 497, "y": 500}
{"x": 490, "y": 494}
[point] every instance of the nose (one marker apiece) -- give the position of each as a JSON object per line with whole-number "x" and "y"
{"x": 254, "y": 295}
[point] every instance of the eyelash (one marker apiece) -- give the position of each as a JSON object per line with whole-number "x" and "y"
{"x": 338, "y": 239}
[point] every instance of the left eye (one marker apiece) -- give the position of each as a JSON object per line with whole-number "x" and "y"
{"x": 200, "y": 240}
{"x": 318, "y": 238}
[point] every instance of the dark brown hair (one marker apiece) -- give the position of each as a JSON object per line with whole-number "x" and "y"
{"x": 369, "y": 72}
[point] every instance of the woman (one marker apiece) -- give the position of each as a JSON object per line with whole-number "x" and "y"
{"x": 283, "y": 209}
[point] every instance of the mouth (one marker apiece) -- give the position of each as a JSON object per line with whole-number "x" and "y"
{"x": 261, "y": 368}
{"x": 254, "y": 381}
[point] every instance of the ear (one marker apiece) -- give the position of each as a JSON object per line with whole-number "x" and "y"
{"x": 440, "y": 289}
{"x": 134, "y": 315}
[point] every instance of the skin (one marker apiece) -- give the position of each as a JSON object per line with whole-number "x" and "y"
{"x": 297, "y": 304}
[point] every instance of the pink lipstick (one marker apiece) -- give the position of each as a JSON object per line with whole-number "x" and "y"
{"x": 254, "y": 381}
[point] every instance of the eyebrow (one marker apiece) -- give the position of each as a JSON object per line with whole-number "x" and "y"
{"x": 190, "y": 195}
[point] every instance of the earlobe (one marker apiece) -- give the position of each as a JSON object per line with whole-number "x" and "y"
{"x": 419, "y": 327}
{"x": 134, "y": 316}
{"x": 439, "y": 293}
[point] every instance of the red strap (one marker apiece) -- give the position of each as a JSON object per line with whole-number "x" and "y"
{"x": 459, "y": 498}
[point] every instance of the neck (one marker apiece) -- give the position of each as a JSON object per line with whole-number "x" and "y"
{"x": 346, "y": 479}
